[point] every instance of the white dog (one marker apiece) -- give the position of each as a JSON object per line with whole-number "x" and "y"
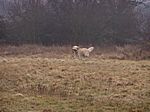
{"x": 81, "y": 52}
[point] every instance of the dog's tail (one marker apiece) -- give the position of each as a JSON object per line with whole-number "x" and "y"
{"x": 91, "y": 49}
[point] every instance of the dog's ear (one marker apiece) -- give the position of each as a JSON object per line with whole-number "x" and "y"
{"x": 91, "y": 49}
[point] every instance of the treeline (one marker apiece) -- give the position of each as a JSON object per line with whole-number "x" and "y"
{"x": 50, "y": 22}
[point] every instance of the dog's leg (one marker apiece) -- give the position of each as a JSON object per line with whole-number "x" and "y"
{"x": 74, "y": 54}
{"x": 80, "y": 56}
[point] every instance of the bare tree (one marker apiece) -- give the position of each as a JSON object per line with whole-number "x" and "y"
{"x": 72, "y": 21}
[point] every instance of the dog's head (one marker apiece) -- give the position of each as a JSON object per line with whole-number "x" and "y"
{"x": 75, "y": 48}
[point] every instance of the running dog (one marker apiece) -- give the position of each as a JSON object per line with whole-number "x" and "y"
{"x": 81, "y": 52}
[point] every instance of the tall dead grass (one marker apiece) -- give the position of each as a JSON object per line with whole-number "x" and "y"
{"x": 130, "y": 52}
{"x": 51, "y": 51}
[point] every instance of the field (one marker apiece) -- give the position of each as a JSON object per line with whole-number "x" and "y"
{"x": 48, "y": 79}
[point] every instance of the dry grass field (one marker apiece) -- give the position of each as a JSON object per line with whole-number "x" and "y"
{"x": 48, "y": 79}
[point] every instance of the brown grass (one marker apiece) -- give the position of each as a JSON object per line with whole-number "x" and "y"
{"x": 50, "y": 80}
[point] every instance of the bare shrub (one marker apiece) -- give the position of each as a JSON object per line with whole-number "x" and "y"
{"x": 130, "y": 52}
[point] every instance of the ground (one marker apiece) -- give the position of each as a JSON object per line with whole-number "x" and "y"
{"x": 37, "y": 83}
